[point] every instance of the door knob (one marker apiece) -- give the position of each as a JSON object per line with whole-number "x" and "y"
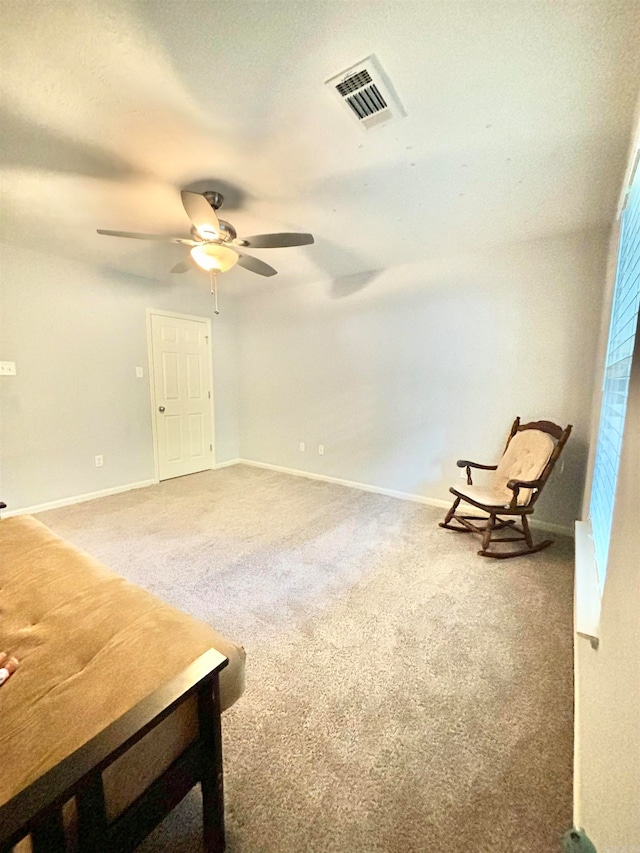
{"x": 161, "y": 408}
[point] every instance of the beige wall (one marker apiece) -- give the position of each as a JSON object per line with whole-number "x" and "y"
{"x": 399, "y": 372}
{"x": 77, "y": 332}
{"x": 608, "y": 678}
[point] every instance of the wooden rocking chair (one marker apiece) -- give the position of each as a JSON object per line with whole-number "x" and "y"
{"x": 529, "y": 455}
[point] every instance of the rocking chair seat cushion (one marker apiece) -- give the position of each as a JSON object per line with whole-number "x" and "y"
{"x": 484, "y": 495}
{"x": 524, "y": 459}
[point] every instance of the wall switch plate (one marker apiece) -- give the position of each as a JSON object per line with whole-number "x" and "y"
{"x": 463, "y": 474}
{"x": 301, "y": 447}
{"x": 7, "y": 368}
{"x": 99, "y": 461}
{"x": 321, "y": 450}
{"x": 139, "y": 372}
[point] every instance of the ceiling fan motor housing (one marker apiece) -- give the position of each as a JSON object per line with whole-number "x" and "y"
{"x": 227, "y": 232}
{"x": 215, "y": 199}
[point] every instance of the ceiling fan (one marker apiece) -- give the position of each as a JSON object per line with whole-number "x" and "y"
{"x": 214, "y": 244}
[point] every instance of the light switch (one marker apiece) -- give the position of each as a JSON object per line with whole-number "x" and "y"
{"x": 139, "y": 372}
{"x": 7, "y": 368}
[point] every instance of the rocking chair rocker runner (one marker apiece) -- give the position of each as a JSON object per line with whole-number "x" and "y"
{"x": 529, "y": 455}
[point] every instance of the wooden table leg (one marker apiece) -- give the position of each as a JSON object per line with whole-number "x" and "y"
{"x": 212, "y": 781}
{"x": 48, "y": 836}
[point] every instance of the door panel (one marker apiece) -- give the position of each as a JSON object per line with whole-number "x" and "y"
{"x": 173, "y": 438}
{"x": 196, "y": 436}
{"x": 170, "y": 376}
{"x": 169, "y": 334}
{"x": 182, "y": 385}
{"x": 194, "y": 383}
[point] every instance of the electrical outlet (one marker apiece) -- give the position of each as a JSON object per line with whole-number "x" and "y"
{"x": 99, "y": 461}
{"x": 301, "y": 447}
{"x": 321, "y": 450}
{"x": 139, "y": 372}
{"x": 7, "y": 368}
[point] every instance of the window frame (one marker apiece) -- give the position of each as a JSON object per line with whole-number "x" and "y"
{"x": 625, "y": 295}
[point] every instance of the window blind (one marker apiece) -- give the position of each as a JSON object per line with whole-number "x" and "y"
{"x": 617, "y": 371}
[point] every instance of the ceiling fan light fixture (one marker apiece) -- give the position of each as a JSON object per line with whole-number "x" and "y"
{"x": 213, "y": 256}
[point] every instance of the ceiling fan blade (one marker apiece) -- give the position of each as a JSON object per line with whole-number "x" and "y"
{"x": 278, "y": 241}
{"x": 201, "y": 214}
{"x": 182, "y": 266}
{"x": 255, "y": 264}
{"x": 136, "y": 236}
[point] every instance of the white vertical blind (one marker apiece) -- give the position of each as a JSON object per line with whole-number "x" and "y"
{"x": 622, "y": 332}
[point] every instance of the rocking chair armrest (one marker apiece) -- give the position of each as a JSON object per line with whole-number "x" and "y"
{"x": 524, "y": 484}
{"x": 464, "y": 463}
{"x": 516, "y": 485}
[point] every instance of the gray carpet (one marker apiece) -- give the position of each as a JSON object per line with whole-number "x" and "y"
{"x": 403, "y": 693}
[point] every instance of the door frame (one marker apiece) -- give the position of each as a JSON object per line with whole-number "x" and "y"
{"x": 152, "y": 387}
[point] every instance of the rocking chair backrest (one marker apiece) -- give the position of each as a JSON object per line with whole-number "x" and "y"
{"x": 530, "y": 454}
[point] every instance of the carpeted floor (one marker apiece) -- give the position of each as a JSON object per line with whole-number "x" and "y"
{"x": 403, "y": 693}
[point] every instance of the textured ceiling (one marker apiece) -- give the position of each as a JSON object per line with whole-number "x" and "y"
{"x": 517, "y": 127}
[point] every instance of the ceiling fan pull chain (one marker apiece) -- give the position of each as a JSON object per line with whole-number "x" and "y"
{"x": 214, "y": 289}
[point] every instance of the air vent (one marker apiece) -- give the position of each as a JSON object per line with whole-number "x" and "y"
{"x": 356, "y": 81}
{"x": 367, "y": 93}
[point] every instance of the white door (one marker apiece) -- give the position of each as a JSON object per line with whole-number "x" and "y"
{"x": 182, "y": 392}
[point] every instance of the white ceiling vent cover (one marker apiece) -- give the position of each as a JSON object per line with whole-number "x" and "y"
{"x": 367, "y": 93}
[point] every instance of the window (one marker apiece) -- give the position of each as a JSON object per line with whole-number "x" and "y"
{"x": 617, "y": 370}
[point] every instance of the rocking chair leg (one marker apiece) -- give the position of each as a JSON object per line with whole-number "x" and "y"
{"x": 447, "y": 519}
{"x": 486, "y": 536}
{"x": 530, "y": 549}
{"x": 452, "y": 511}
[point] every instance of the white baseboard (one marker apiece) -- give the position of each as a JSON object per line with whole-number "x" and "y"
{"x": 90, "y": 496}
{"x": 392, "y": 493}
{"x": 226, "y": 464}
{"x": 548, "y": 527}
{"x": 364, "y": 487}
{"x": 78, "y": 499}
